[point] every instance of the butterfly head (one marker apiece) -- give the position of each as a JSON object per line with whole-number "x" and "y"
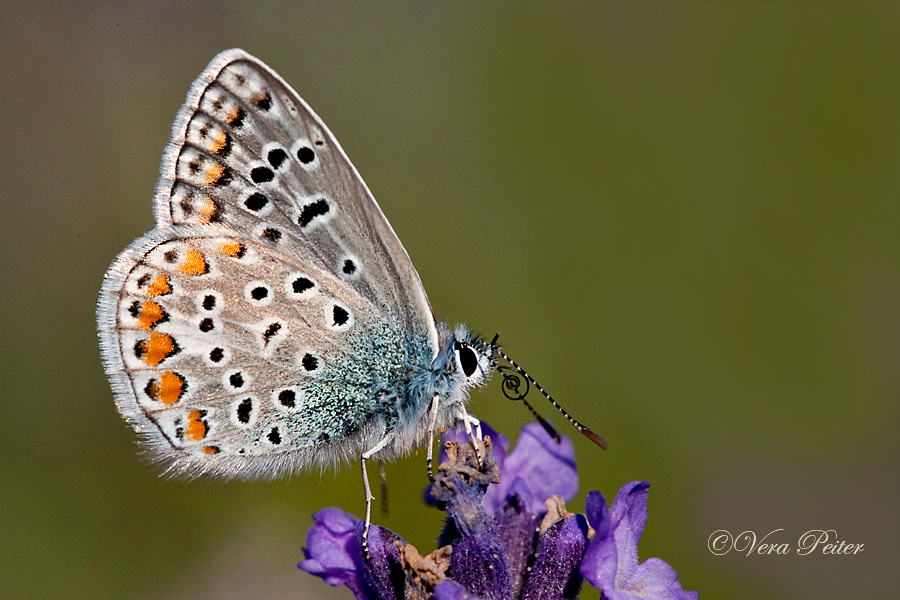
{"x": 474, "y": 358}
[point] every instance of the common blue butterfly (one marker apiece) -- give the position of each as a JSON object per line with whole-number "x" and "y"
{"x": 272, "y": 320}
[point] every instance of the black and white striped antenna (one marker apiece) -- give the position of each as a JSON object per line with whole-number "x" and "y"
{"x": 512, "y": 389}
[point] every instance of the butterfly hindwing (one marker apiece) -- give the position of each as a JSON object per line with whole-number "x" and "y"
{"x": 224, "y": 347}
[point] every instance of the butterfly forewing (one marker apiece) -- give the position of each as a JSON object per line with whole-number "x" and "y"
{"x": 273, "y": 307}
{"x": 247, "y": 152}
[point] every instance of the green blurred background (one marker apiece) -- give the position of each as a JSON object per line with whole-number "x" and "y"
{"x": 682, "y": 217}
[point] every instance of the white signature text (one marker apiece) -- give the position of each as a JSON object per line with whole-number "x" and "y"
{"x": 819, "y": 541}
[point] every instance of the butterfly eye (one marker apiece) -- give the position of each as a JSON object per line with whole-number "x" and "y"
{"x": 467, "y": 360}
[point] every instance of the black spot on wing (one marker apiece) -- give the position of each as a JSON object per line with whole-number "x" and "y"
{"x": 317, "y": 208}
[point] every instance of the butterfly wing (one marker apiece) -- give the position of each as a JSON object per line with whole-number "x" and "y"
{"x": 263, "y": 326}
{"x": 246, "y": 151}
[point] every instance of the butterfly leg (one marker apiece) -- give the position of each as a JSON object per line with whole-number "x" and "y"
{"x": 469, "y": 421}
{"x": 477, "y": 424}
{"x": 369, "y": 497}
{"x": 431, "y": 427}
{"x": 384, "y": 488}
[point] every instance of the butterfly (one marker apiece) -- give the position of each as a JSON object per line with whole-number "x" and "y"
{"x": 272, "y": 321}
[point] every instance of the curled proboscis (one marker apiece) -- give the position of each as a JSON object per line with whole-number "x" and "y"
{"x": 512, "y": 383}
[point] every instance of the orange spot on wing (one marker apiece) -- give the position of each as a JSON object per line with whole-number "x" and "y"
{"x": 168, "y": 389}
{"x": 232, "y": 249}
{"x": 151, "y": 314}
{"x": 213, "y": 173}
{"x": 219, "y": 141}
{"x": 207, "y": 211}
{"x": 233, "y": 114}
{"x": 194, "y": 263}
{"x": 211, "y": 450}
{"x": 159, "y": 347}
{"x": 159, "y": 286}
{"x": 171, "y": 387}
{"x": 195, "y": 429}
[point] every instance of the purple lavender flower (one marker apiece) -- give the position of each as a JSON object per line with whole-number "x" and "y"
{"x": 611, "y": 561}
{"x": 502, "y": 541}
{"x": 335, "y": 554}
